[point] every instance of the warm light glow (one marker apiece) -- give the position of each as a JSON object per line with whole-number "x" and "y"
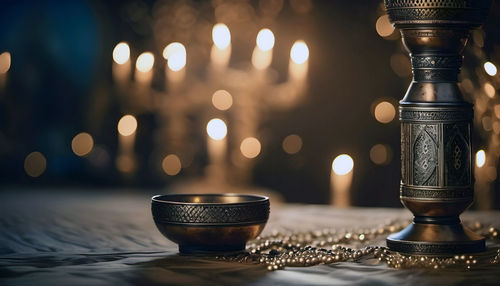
{"x": 222, "y": 99}
{"x": 35, "y": 164}
{"x": 145, "y": 62}
{"x": 490, "y": 68}
{"x": 125, "y": 163}
{"x": 385, "y": 112}
{"x": 216, "y": 129}
{"x": 496, "y": 109}
{"x": 127, "y": 125}
{"x": 173, "y": 48}
{"x": 380, "y": 154}
{"x": 489, "y": 89}
{"x": 401, "y": 65}
{"x": 342, "y": 165}
{"x": 82, "y": 144}
{"x": 250, "y": 147}
{"x": 121, "y": 53}
{"x": 383, "y": 26}
{"x": 221, "y": 36}
{"x": 171, "y": 165}
{"x": 480, "y": 158}
{"x": 299, "y": 52}
{"x": 292, "y": 144}
{"x": 265, "y": 40}
{"x": 175, "y": 54}
{"x": 5, "y": 61}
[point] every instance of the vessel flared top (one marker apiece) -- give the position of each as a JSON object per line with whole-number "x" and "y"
{"x": 432, "y": 13}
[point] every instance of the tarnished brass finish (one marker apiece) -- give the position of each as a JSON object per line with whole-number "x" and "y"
{"x": 436, "y": 170}
{"x": 210, "y": 223}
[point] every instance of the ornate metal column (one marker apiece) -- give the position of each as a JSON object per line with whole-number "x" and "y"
{"x": 437, "y": 176}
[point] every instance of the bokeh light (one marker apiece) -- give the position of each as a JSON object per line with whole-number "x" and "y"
{"x": 292, "y": 144}
{"x": 496, "y": 109}
{"x": 145, "y": 62}
{"x": 127, "y": 125}
{"x": 480, "y": 158}
{"x": 490, "y": 68}
{"x": 383, "y": 26}
{"x": 265, "y": 40}
{"x": 176, "y": 55}
{"x": 342, "y": 165}
{"x": 380, "y": 154}
{"x": 489, "y": 89}
{"x": 222, "y": 99}
{"x": 301, "y": 6}
{"x": 384, "y": 112}
{"x": 35, "y": 164}
{"x": 221, "y": 36}
{"x": 217, "y": 129}
{"x": 82, "y": 144}
{"x": 125, "y": 163}
{"x": 5, "y": 61}
{"x": 171, "y": 165}
{"x": 487, "y": 123}
{"x": 250, "y": 147}
{"x": 121, "y": 53}
{"x": 299, "y": 52}
{"x": 401, "y": 65}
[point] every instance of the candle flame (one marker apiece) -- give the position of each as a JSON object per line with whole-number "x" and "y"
{"x": 342, "y": 165}
{"x": 145, "y": 62}
{"x": 175, "y": 53}
{"x": 299, "y": 52}
{"x": 121, "y": 53}
{"x": 221, "y": 36}
{"x": 127, "y": 125}
{"x": 480, "y": 158}
{"x": 265, "y": 40}
{"x": 217, "y": 129}
{"x": 490, "y": 68}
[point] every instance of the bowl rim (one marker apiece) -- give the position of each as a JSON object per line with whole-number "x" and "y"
{"x": 163, "y": 199}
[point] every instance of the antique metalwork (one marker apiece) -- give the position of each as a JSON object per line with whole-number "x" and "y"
{"x": 210, "y": 222}
{"x": 437, "y": 177}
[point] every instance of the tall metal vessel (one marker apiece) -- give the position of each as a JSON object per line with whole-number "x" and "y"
{"x": 436, "y": 168}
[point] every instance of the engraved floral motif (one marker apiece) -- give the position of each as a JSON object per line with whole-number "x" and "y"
{"x": 457, "y": 154}
{"x": 425, "y": 154}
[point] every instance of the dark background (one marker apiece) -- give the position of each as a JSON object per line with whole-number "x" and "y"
{"x": 60, "y": 83}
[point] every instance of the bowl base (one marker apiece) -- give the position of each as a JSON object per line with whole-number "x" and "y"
{"x": 210, "y": 249}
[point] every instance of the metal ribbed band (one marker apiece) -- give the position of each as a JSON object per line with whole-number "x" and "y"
{"x": 435, "y": 75}
{"x": 211, "y": 214}
{"x": 435, "y": 114}
{"x": 436, "y": 61}
{"x": 435, "y": 248}
{"x": 436, "y": 193}
{"x": 436, "y": 68}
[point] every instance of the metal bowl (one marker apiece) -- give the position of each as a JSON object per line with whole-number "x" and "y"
{"x": 210, "y": 223}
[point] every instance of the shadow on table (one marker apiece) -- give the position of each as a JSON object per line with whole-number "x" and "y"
{"x": 196, "y": 270}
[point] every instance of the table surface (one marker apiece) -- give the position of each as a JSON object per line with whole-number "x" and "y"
{"x": 102, "y": 238}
